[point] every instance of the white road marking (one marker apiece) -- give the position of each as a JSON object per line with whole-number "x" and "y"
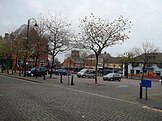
{"x": 153, "y": 109}
{"x": 116, "y": 99}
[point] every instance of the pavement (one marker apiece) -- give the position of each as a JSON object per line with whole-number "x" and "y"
{"x": 80, "y": 83}
{"x": 105, "y": 100}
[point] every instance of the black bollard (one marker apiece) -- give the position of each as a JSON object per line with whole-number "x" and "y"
{"x": 61, "y": 78}
{"x": 36, "y": 76}
{"x": 72, "y": 82}
{"x": 7, "y": 71}
{"x": 68, "y": 79}
{"x": 146, "y": 94}
{"x": 19, "y": 72}
{"x": 12, "y": 71}
{"x": 140, "y": 93}
{"x": 44, "y": 77}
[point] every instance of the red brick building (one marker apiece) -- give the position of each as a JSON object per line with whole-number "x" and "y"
{"x": 74, "y": 61}
{"x": 37, "y": 51}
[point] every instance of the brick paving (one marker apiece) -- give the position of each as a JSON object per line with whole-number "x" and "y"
{"x": 31, "y": 99}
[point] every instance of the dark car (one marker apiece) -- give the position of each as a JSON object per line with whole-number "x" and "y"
{"x": 112, "y": 77}
{"x": 37, "y": 71}
{"x": 61, "y": 72}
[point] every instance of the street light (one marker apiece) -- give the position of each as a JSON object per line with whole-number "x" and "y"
{"x": 27, "y": 41}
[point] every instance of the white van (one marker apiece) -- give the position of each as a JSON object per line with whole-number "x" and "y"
{"x": 86, "y": 73}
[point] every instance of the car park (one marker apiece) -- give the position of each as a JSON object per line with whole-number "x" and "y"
{"x": 112, "y": 77}
{"x": 37, "y": 71}
{"x": 90, "y": 73}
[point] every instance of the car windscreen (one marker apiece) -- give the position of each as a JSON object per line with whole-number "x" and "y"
{"x": 110, "y": 74}
{"x": 32, "y": 69}
{"x": 43, "y": 69}
{"x": 83, "y": 70}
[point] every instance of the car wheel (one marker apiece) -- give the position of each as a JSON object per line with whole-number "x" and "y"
{"x": 83, "y": 76}
{"x": 111, "y": 79}
{"x": 119, "y": 79}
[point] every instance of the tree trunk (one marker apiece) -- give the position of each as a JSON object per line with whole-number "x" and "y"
{"x": 103, "y": 68}
{"x": 36, "y": 60}
{"x": 143, "y": 70}
{"x": 96, "y": 68}
{"x": 52, "y": 66}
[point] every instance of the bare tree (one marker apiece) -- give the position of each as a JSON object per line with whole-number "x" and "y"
{"x": 98, "y": 34}
{"x": 106, "y": 59}
{"x": 146, "y": 53}
{"x": 41, "y": 45}
{"x": 83, "y": 55}
{"x": 59, "y": 36}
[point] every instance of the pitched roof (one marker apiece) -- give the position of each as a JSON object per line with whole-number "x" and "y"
{"x": 152, "y": 57}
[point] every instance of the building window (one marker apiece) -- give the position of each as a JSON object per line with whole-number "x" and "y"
{"x": 137, "y": 71}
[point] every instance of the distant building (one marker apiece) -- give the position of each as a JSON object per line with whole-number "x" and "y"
{"x": 153, "y": 67}
{"x": 74, "y": 61}
{"x": 105, "y": 61}
{"x": 37, "y": 51}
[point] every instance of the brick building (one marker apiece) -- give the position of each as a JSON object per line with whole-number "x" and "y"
{"x": 37, "y": 51}
{"x": 74, "y": 61}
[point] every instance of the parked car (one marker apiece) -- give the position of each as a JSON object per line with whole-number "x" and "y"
{"x": 112, "y": 77}
{"x": 86, "y": 73}
{"x": 37, "y": 71}
{"x": 61, "y": 72}
{"x": 49, "y": 71}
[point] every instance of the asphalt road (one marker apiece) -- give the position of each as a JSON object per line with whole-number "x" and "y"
{"x": 22, "y": 100}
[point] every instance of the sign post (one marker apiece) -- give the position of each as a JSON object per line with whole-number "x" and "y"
{"x": 146, "y": 94}
{"x": 146, "y": 84}
{"x": 140, "y": 93}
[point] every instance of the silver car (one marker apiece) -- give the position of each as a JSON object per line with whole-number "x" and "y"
{"x": 112, "y": 77}
{"x": 90, "y": 73}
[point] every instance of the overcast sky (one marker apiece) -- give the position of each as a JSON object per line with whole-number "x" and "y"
{"x": 146, "y": 16}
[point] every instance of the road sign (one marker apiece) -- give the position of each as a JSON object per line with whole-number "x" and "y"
{"x": 146, "y": 83}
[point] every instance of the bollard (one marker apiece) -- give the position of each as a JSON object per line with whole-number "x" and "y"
{"x": 36, "y": 76}
{"x": 7, "y": 71}
{"x": 61, "y": 78}
{"x": 140, "y": 93}
{"x": 72, "y": 83}
{"x": 22, "y": 70}
{"x": 19, "y": 72}
{"x": 44, "y": 77}
{"x": 146, "y": 94}
{"x": 12, "y": 71}
{"x": 68, "y": 79}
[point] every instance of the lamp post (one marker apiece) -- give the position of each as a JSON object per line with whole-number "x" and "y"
{"x": 27, "y": 42}
{"x": 15, "y": 39}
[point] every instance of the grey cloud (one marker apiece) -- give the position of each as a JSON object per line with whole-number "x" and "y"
{"x": 144, "y": 14}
